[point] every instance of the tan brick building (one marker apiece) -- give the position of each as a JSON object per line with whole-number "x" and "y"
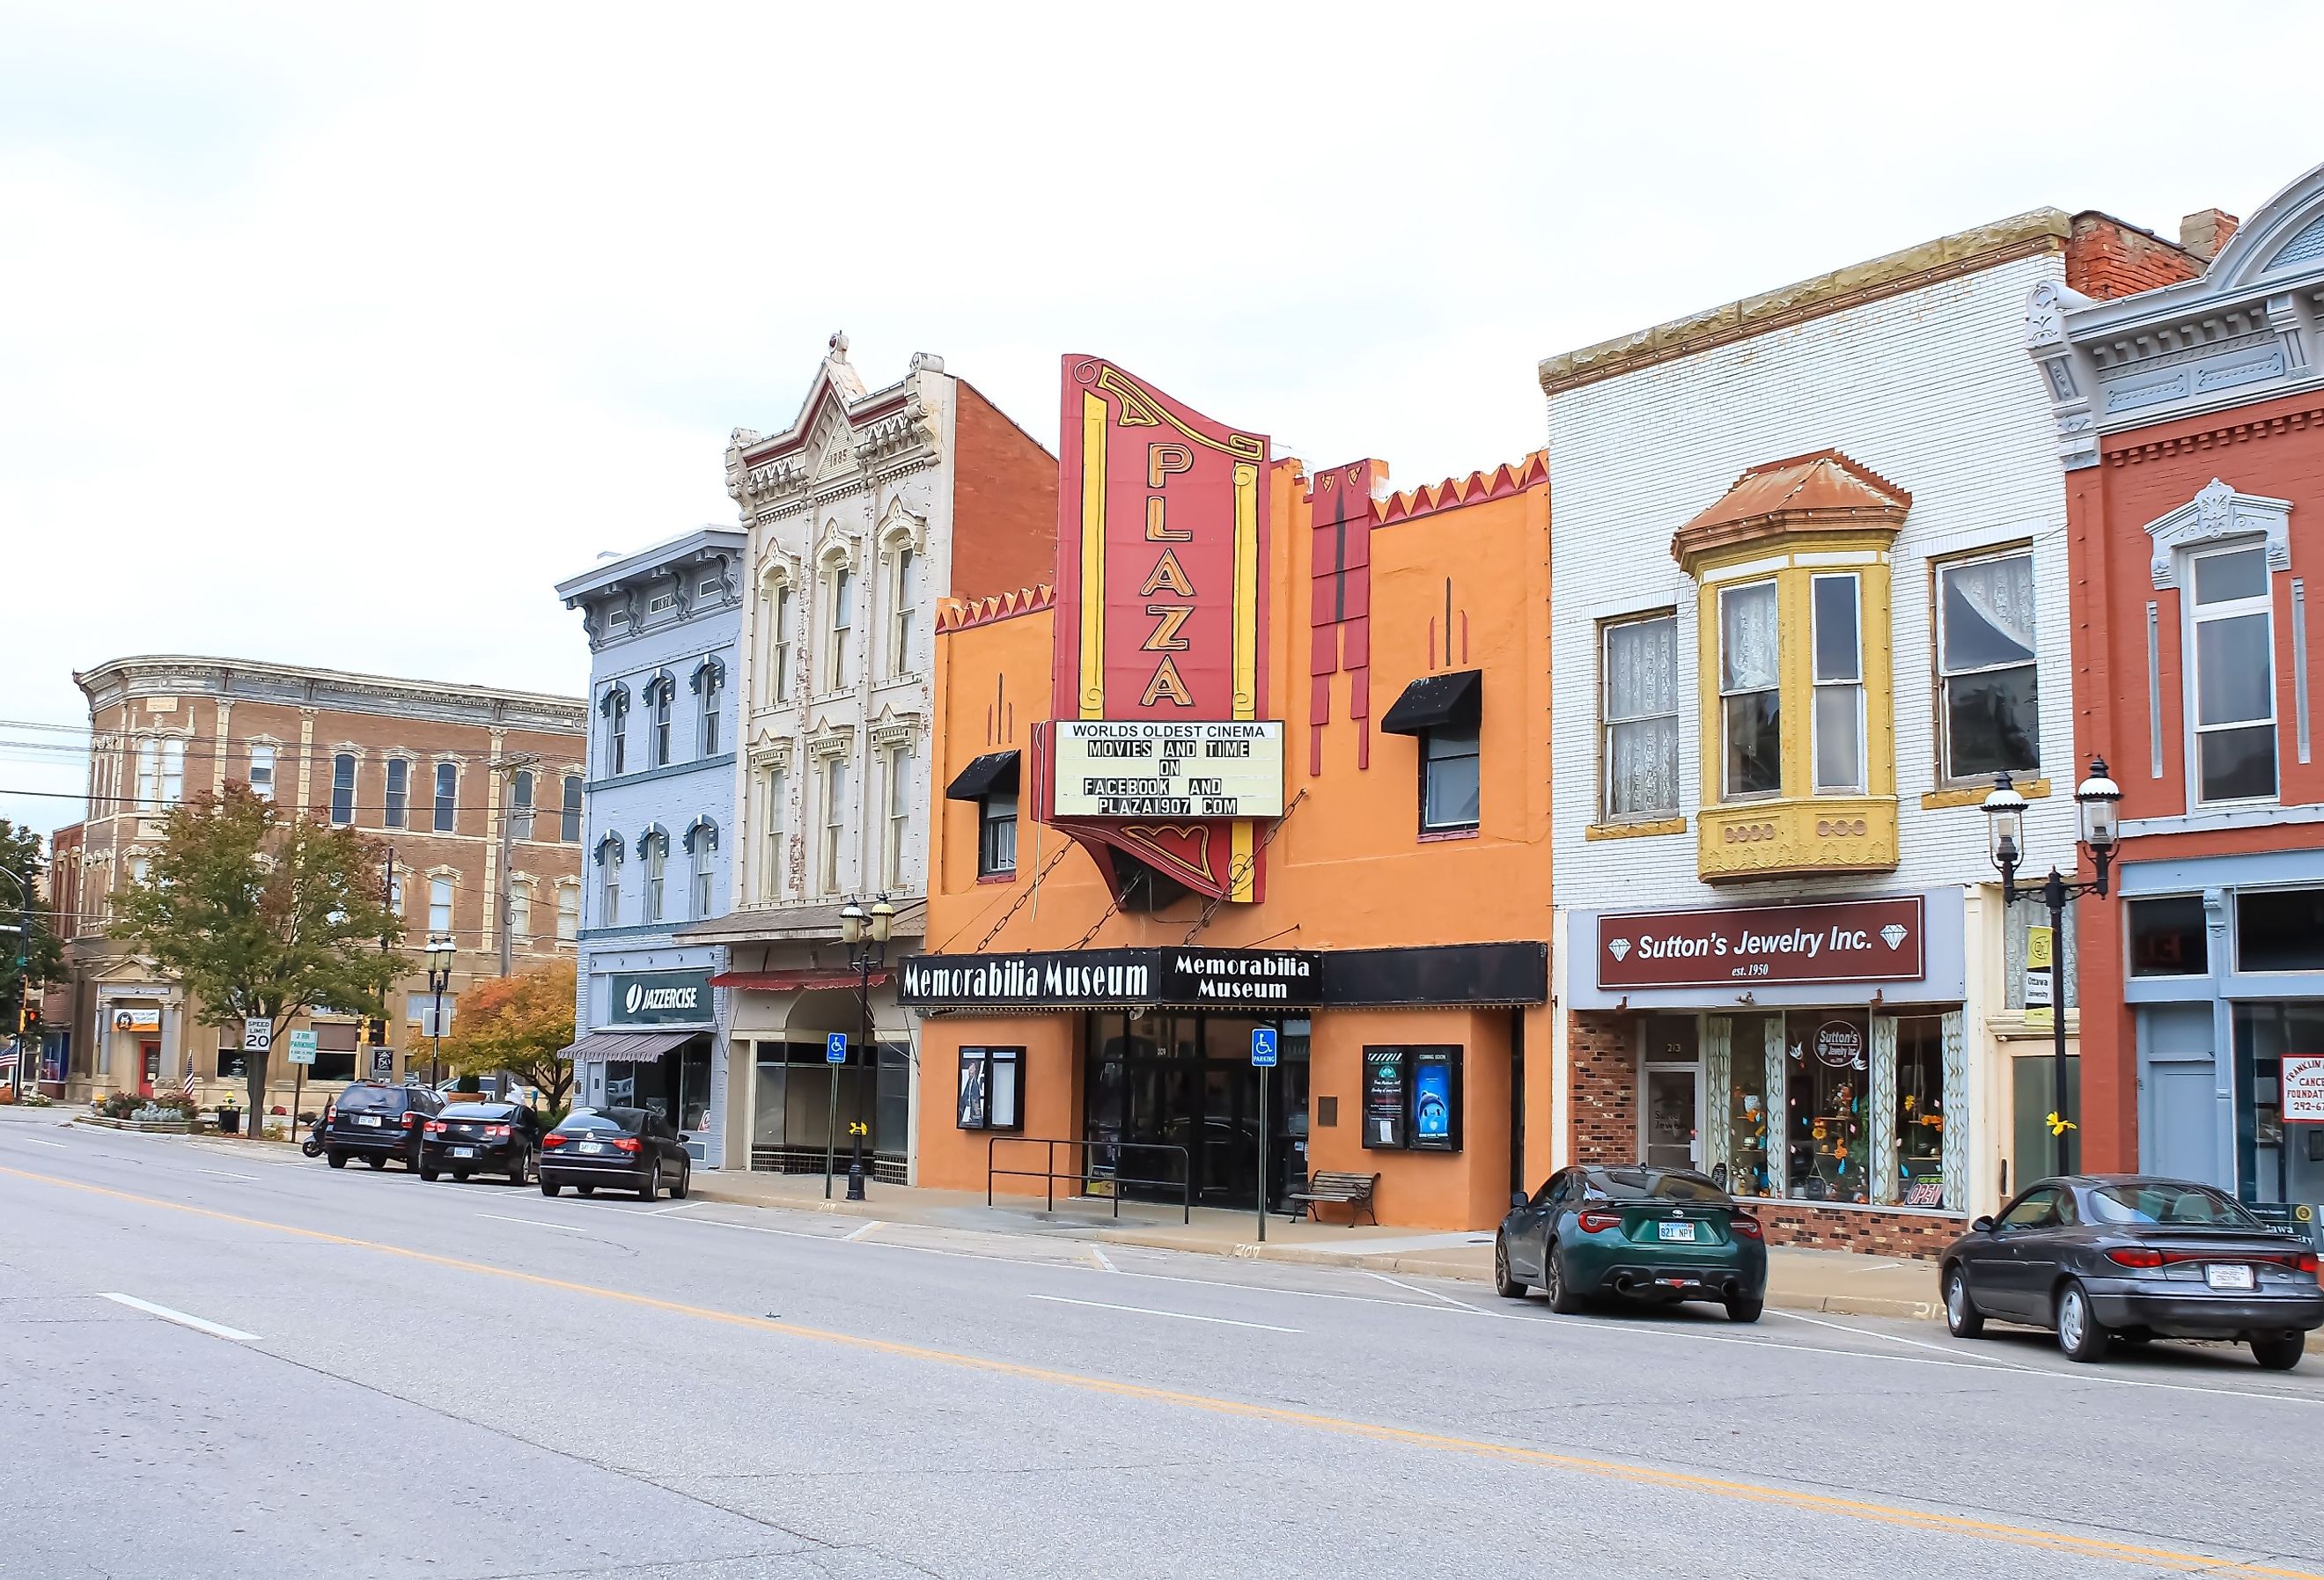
{"x": 428, "y": 771}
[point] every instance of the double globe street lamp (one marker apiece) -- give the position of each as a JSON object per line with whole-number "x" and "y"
{"x": 865, "y": 932}
{"x": 2098, "y": 804}
{"x": 439, "y": 977}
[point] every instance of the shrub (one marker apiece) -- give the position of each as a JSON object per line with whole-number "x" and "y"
{"x": 119, "y": 1105}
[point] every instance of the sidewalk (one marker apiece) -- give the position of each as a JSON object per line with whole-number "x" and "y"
{"x": 1834, "y": 1282}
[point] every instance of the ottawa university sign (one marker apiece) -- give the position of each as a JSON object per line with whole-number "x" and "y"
{"x": 1185, "y": 978}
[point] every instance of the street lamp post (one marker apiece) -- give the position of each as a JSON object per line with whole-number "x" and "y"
{"x": 439, "y": 977}
{"x": 865, "y": 933}
{"x": 2096, "y": 803}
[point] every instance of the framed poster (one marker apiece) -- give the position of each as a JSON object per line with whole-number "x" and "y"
{"x": 1435, "y": 1099}
{"x": 1386, "y": 1102}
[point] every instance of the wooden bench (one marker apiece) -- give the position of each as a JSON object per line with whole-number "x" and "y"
{"x": 1351, "y": 1191}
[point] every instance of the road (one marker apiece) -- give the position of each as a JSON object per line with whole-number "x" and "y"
{"x": 353, "y": 1374}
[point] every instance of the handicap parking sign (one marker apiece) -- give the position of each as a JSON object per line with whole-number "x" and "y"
{"x": 834, "y": 1047}
{"x": 1262, "y": 1044}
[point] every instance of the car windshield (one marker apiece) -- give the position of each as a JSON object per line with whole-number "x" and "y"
{"x": 585, "y": 1122}
{"x": 377, "y": 1099}
{"x": 1652, "y": 1184}
{"x": 2171, "y": 1204}
{"x": 499, "y": 1112}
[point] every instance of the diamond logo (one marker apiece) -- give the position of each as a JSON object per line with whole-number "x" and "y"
{"x": 1618, "y": 947}
{"x": 1893, "y": 935}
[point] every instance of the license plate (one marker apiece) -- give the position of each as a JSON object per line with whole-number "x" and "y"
{"x": 1676, "y": 1231}
{"x": 371, "y": 1120}
{"x": 590, "y": 1147}
{"x": 464, "y": 1152}
{"x": 2235, "y": 1277}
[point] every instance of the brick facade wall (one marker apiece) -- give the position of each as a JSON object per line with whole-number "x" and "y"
{"x": 2105, "y": 258}
{"x": 1004, "y": 501}
{"x": 1874, "y": 1233}
{"x": 1603, "y": 1086}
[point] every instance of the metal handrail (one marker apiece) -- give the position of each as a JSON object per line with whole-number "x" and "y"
{"x": 1048, "y": 1171}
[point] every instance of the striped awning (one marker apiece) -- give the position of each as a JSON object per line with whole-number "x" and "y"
{"x": 628, "y": 1046}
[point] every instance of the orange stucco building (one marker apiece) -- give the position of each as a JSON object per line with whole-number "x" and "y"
{"x": 1115, "y": 906}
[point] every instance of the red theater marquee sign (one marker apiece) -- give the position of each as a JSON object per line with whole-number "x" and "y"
{"x": 1159, "y": 749}
{"x": 1848, "y": 940}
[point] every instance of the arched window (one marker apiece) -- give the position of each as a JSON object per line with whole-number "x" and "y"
{"x": 710, "y": 686}
{"x": 571, "y": 832}
{"x": 343, "y": 788}
{"x": 653, "y": 848}
{"x": 702, "y": 843}
{"x": 614, "y": 705}
{"x": 149, "y": 775}
{"x": 447, "y": 796}
{"x": 660, "y": 693}
{"x": 609, "y": 899}
{"x": 839, "y": 608}
{"x": 778, "y": 613}
{"x": 173, "y": 772}
{"x": 903, "y": 595}
{"x": 398, "y": 790}
{"x": 520, "y": 805}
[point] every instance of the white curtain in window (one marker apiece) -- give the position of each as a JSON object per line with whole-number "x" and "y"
{"x": 1999, "y": 592}
{"x": 1750, "y": 640}
{"x": 1641, "y": 715}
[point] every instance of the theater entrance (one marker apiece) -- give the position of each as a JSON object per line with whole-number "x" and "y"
{"x": 1183, "y": 1083}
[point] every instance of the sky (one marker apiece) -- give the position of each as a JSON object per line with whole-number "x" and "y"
{"x": 339, "y": 335}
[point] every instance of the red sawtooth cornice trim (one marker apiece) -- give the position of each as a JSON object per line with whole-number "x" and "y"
{"x": 1453, "y": 492}
{"x": 960, "y": 614}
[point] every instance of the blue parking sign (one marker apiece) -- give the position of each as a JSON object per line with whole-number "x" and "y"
{"x": 834, "y": 1047}
{"x": 1262, "y": 1046}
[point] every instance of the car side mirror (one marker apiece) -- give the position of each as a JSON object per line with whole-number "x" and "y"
{"x": 1981, "y": 1226}
{"x": 1518, "y": 1198}
{"x": 682, "y": 1135}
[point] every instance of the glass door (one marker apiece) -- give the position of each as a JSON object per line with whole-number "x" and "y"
{"x": 1672, "y": 1125}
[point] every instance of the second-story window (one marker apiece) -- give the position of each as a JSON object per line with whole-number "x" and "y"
{"x": 899, "y": 818}
{"x": 773, "y": 787}
{"x": 520, "y": 805}
{"x": 654, "y": 851}
{"x": 521, "y": 908}
{"x": 1449, "y": 791}
{"x": 571, "y": 831}
{"x": 262, "y": 772}
{"x": 657, "y": 701}
{"x": 996, "y": 832}
{"x": 447, "y": 796}
{"x": 1750, "y": 692}
{"x": 1989, "y": 681}
{"x": 399, "y": 791}
{"x": 834, "y": 822}
{"x": 778, "y": 645}
{"x": 900, "y": 633}
{"x": 1839, "y": 686}
{"x": 343, "y": 788}
{"x": 1641, "y": 718}
{"x": 568, "y": 912}
{"x": 710, "y": 681}
{"x": 173, "y": 772}
{"x": 440, "y": 907}
{"x": 609, "y": 894}
{"x": 2232, "y": 621}
{"x": 149, "y": 775}
{"x": 702, "y": 843}
{"x": 841, "y": 593}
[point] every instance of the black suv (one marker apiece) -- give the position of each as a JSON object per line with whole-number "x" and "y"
{"x": 375, "y": 1121}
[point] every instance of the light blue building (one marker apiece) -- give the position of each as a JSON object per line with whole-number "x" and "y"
{"x": 657, "y": 830}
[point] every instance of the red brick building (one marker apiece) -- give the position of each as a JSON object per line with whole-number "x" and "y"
{"x": 2191, "y": 421}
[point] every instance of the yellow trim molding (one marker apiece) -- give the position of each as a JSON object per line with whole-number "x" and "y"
{"x": 2032, "y": 789}
{"x": 1644, "y": 830}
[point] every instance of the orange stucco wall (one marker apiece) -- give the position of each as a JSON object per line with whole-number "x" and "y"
{"x": 1348, "y": 867}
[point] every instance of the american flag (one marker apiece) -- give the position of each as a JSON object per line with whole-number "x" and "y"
{"x": 187, "y": 1086}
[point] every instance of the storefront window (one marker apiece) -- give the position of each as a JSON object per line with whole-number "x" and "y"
{"x": 1920, "y": 1113}
{"x": 2277, "y": 1161}
{"x": 1750, "y": 1114}
{"x": 2168, "y": 936}
{"x": 2280, "y": 929}
{"x": 1828, "y": 1057}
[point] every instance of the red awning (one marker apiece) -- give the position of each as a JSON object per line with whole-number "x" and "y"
{"x": 792, "y": 981}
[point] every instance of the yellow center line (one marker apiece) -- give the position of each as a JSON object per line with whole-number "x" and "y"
{"x": 1613, "y": 1470}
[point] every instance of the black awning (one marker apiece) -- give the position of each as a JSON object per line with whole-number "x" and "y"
{"x": 993, "y": 770}
{"x": 1436, "y": 702}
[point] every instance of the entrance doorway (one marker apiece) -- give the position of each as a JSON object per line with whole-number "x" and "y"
{"x": 1671, "y": 1132}
{"x": 148, "y": 1068}
{"x": 1185, "y": 1081}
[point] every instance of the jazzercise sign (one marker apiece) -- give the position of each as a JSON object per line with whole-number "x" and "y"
{"x": 1134, "y": 767}
{"x": 1848, "y": 940}
{"x": 655, "y": 998}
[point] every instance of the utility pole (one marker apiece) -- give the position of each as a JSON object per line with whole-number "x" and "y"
{"x": 504, "y": 887}
{"x": 387, "y": 899}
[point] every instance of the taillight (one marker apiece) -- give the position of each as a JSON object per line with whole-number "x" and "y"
{"x": 1598, "y": 1223}
{"x": 626, "y": 1144}
{"x": 410, "y": 1119}
{"x": 552, "y": 1140}
{"x": 2136, "y": 1256}
{"x": 1748, "y": 1228}
{"x": 435, "y": 1127}
{"x": 492, "y": 1132}
{"x": 2304, "y": 1262}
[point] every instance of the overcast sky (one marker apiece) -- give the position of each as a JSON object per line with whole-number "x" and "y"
{"x": 336, "y": 335}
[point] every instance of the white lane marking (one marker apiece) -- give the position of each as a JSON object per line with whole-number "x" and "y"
{"x": 1431, "y": 1294}
{"x": 535, "y": 1222}
{"x": 665, "y": 1212}
{"x": 215, "y": 1330}
{"x": 223, "y": 1174}
{"x": 37, "y": 1142}
{"x": 1104, "y": 1263}
{"x": 756, "y": 1229}
{"x": 1899, "y": 1338}
{"x": 1151, "y": 1311}
{"x": 860, "y": 1233}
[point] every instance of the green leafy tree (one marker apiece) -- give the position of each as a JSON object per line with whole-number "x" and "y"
{"x": 261, "y": 914}
{"x": 522, "y": 1025}
{"x": 30, "y": 955}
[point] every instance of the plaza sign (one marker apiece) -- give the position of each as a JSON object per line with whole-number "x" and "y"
{"x": 1848, "y": 940}
{"x": 1133, "y": 768}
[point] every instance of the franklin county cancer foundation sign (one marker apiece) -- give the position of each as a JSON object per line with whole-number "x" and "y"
{"x": 1102, "y": 977}
{"x": 1848, "y": 940}
{"x": 658, "y": 998}
{"x": 1132, "y": 768}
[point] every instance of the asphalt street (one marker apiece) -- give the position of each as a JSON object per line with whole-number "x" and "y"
{"x": 219, "y": 1361}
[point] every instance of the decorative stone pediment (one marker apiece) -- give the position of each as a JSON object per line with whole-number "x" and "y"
{"x": 2216, "y": 514}
{"x": 897, "y": 433}
{"x": 899, "y": 528}
{"x": 831, "y": 741}
{"x": 771, "y": 750}
{"x": 896, "y": 729}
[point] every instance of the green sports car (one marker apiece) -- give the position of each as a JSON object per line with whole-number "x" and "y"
{"x": 1662, "y": 1235}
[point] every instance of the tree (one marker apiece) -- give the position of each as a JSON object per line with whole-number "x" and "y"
{"x": 29, "y": 953}
{"x": 521, "y": 1025}
{"x": 261, "y": 915}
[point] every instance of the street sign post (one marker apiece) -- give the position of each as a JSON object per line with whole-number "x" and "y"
{"x": 302, "y": 1054}
{"x": 1262, "y": 1056}
{"x": 834, "y": 1054}
{"x": 257, "y": 1034}
{"x": 302, "y": 1048}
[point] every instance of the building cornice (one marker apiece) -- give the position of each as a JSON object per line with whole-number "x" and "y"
{"x": 115, "y": 680}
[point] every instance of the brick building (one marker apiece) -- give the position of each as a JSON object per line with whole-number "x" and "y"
{"x": 1811, "y": 594}
{"x": 2190, "y": 426}
{"x": 428, "y": 771}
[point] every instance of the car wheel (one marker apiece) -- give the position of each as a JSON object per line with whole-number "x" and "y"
{"x": 521, "y": 1173}
{"x": 2079, "y": 1333}
{"x": 1741, "y": 1309}
{"x": 429, "y": 1175}
{"x": 548, "y": 1189}
{"x": 653, "y": 1187}
{"x": 461, "y": 1175}
{"x": 1561, "y": 1297}
{"x": 1505, "y": 1286}
{"x": 376, "y": 1160}
{"x": 586, "y": 1190}
{"x": 2278, "y": 1352}
{"x": 685, "y": 1182}
{"x": 1963, "y": 1319}
{"x": 336, "y": 1159}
